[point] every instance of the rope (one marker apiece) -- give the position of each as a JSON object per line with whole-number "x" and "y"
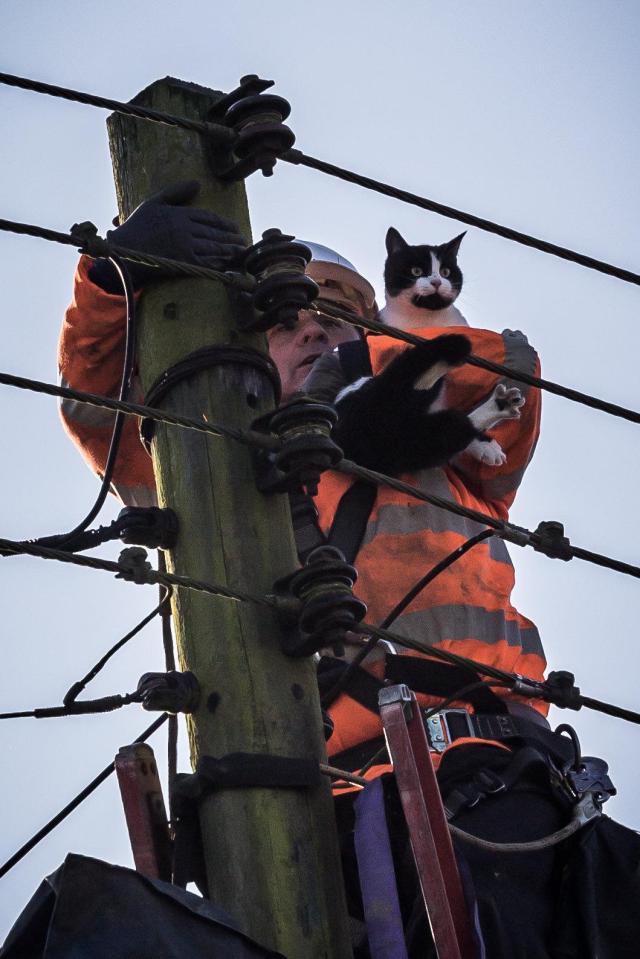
{"x": 96, "y": 246}
{"x": 68, "y": 809}
{"x": 519, "y": 375}
{"x": 536, "y": 845}
{"x": 299, "y": 158}
{"x": 220, "y": 134}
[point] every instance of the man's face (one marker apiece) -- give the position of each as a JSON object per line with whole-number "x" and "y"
{"x": 294, "y": 351}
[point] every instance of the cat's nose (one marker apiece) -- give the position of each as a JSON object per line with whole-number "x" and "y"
{"x": 436, "y": 283}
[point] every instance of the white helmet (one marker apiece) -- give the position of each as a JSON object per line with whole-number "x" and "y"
{"x": 339, "y": 281}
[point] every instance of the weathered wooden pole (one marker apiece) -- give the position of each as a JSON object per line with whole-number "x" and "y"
{"x": 271, "y": 854}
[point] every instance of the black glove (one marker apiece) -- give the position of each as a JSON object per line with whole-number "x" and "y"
{"x": 162, "y": 227}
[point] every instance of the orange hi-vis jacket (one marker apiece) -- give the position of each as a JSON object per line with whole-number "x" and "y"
{"x": 467, "y": 609}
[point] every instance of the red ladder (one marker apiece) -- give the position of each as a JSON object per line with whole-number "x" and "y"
{"x": 427, "y": 824}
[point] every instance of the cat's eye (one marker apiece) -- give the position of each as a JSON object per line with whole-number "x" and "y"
{"x": 445, "y": 271}
{"x": 416, "y": 271}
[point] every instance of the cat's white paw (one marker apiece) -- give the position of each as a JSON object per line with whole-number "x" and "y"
{"x": 510, "y": 400}
{"x": 488, "y": 452}
{"x": 504, "y": 403}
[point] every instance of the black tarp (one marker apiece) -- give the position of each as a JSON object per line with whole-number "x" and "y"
{"x": 89, "y": 908}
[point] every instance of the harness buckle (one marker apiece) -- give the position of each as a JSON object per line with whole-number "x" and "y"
{"x": 439, "y": 731}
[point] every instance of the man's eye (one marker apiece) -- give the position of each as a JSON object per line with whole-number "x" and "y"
{"x": 416, "y": 271}
{"x": 445, "y": 271}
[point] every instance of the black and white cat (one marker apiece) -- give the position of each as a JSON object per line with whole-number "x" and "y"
{"x": 422, "y": 283}
{"x": 398, "y": 421}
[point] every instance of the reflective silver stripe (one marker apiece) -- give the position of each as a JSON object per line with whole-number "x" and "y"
{"x": 460, "y": 622}
{"x": 499, "y": 486}
{"x": 83, "y": 414}
{"x": 519, "y": 355}
{"x": 402, "y": 520}
{"x": 135, "y": 495}
{"x": 416, "y": 517}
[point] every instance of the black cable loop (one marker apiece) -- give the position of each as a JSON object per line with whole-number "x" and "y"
{"x": 585, "y": 399}
{"x": 76, "y": 688}
{"x": 220, "y": 134}
{"x": 75, "y": 802}
{"x": 298, "y": 158}
{"x": 123, "y": 394}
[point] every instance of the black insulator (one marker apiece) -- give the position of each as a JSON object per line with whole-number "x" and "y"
{"x": 171, "y": 692}
{"x": 258, "y": 121}
{"x": 148, "y": 526}
{"x": 304, "y": 428}
{"x": 561, "y": 690}
{"x": 549, "y": 539}
{"x": 324, "y": 585}
{"x": 278, "y": 263}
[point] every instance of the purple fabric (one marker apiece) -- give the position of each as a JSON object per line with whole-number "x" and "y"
{"x": 377, "y": 878}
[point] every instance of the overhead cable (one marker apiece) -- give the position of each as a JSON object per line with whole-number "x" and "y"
{"x": 518, "y": 535}
{"x": 246, "y": 437}
{"x": 84, "y": 237}
{"x": 214, "y": 130}
{"x": 474, "y": 360}
{"x": 226, "y": 136}
{"x": 520, "y": 684}
{"x": 247, "y": 283}
{"x": 151, "y": 576}
{"x": 75, "y": 802}
{"x": 299, "y": 158}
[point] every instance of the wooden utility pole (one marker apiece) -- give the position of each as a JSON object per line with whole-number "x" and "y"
{"x": 271, "y": 854}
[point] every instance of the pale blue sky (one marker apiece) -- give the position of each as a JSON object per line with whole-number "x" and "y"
{"x": 522, "y": 112}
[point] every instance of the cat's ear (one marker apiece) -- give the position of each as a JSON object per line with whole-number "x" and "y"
{"x": 393, "y": 241}
{"x": 453, "y": 246}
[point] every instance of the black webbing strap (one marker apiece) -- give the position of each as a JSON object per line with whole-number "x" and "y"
{"x": 241, "y": 770}
{"x": 363, "y": 687}
{"x": 351, "y": 518}
{"x": 355, "y": 360}
{"x": 349, "y": 523}
{"x": 352, "y": 515}
{"x": 234, "y": 771}
{"x": 442, "y": 680}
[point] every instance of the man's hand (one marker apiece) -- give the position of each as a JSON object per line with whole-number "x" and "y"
{"x": 162, "y": 226}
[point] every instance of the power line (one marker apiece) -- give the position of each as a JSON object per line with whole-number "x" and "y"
{"x": 75, "y": 802}
{"x": 518, "y": 535}
{"x": 151, "y": 576}
{"x": 83, "y": 238}
{"x": 247, "y": 283}
{"x": 299, "y": 158}
{"x": 474, "y": 360}
{"x": 246, "y": 437}
{"x": 224, "y": 135}
{"x": 221, "y": 134}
